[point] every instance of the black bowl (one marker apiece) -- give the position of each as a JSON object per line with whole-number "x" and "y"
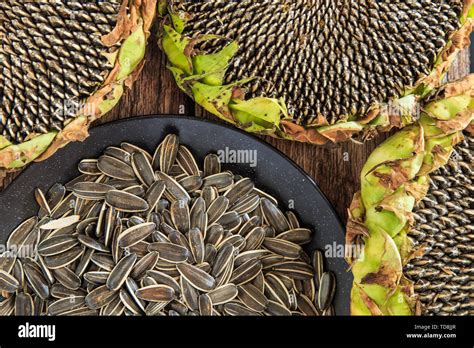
{"x": 273, "y": 172}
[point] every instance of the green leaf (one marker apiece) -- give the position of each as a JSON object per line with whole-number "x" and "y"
{"x": 213, "y": 66}
{"x": 393, "y": 217}
{"x": 214, "y": 99}
{"x": 112, "y": 99}
{"x": 174, "y": 46}
{"x": 4, "y": 142}
{"x": 178, "y": 19}
{"x": 132, "y": 52}
{"x": 448, "y": 108}
{"x": 258, "y": 114}
{"x": 404, "y": 151}
{"x": 29, "y": 150}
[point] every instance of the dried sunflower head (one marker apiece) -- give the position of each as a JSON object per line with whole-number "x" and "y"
{"x": 312, "y": 70}
{"x": 396, "y": 204}
{"x": 63, "y": 64}
{"x": 443, "y": 232}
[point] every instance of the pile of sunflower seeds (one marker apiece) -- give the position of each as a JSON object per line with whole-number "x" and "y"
{"x": 137, "y": 234}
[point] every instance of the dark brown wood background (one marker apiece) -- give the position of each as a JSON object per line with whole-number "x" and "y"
{"x": 336, "y": 169}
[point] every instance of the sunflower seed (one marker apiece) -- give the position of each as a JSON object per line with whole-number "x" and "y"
{"x": 154, "y": 193}
{"x": 118, "y": 153}
{"x": 215, "y": 234}
{"x": 327, "y": 289}
{"x": 135, "y": 234}
{"x": 68, "y": 278}
{"x": 210, "y": 253}
{"x": 129, "y": 302}
{"x": 23, "y": 304}
{"x": 57, "y": 245}
{"x": 298, "y": 236}
{"x": 259, "y": 282}
{"x": 63, "y": 259}
{"x": 8, "y": 283}
{"x": 170, "y": 252}
{"x": 60, "y": 291}
{"x": 18, "y": 273}
{"x": 180, "y": 215}
{"x": 115, "y": 168}
{"x": 7, "y": 261}
{"x": 100, "y": 297}
{"x": 42, "y": 202}
{"x": 55, "y": 195}
{"x": 198, "y": 216}
{"x": 221, "y": 181}
{"x": 276, "y": 290}
{"x": 217, "y": 208}
{"x": 103, "y": 260}
{"x": 249, "y": 225}
{"x": 236, "y": 309}
{"x": 191, "y": 183}
{"x": 67, "y": 304}
{"x": 306, "y": 306}
{"x": 224, "y": 256}
{"x": 250, "y": 255}
{"x": 126, "y": 202}
{"x": 274, "y": 216}
{"x": 168, "y": 151}
{"x": 205, "y": 305}
{"x": 29, "y": 245}
{"x": 317, "y": 263}
{"x": 81, "y": 311}
{"x": 60, "y": 223}
{"x": 186, "y": 161}
{"x": 223, "y": 294}
{"x": 114, "y": 308}
{"x": 246, "y": 272}
{"x": 156, "y": 293}
{"x": 91, "y": 190}
{"x": 277, "y": 309}
{"x": 97, "y": 277}
{"x": 7, "y": 306}
{"x": 143, "y": 169}
{"x": 196, "y": 243}
{"x": 146, "y": 263}
{"x": 230, "y": 221}
{"x": 89, "y": 167}
{"x": 197, "y": 277}
{"x": 163, "y": 278}
{"x": 190, "y": 294}
{"x": 64, "y": 206}
{"x": 121, "y": 271}
{"x": 91, "y": 243}
{"x": 173, "y": 188}
{"x": 294, "y": 269}
{"x": 19, "y": 234}
{"x": 254, "y": 239}
{"x": 239, "y": 189}
{"x": 246, "y": 204}
{"x": 209, "y": 194}
{"x": 212, "y": 165}
{"x": 252, "y": 298}
{"x": 283, "y": 247}
{"x": 132, "y": 288}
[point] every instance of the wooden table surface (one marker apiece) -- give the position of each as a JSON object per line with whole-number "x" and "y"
{"x": 336, "y": 169}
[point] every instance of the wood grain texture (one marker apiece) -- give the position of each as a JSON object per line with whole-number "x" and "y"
{"x": 336, "y": 169}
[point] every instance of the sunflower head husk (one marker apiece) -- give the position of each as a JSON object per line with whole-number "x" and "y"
{"x": 393, "y": 180}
